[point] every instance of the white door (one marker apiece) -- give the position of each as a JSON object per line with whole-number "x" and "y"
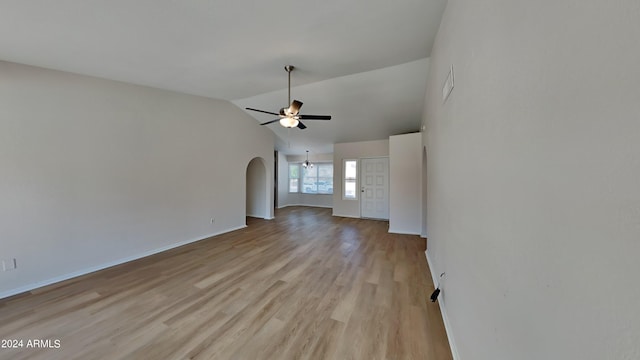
{"x": 374, "y": 188}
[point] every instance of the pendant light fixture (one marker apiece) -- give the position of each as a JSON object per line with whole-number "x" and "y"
{"x": 306, "y": 163}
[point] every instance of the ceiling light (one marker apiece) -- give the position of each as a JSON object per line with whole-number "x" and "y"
{"x": 289, "y": 122}
{"x": 306, "y": 163}
{"x": 292, "y": 111}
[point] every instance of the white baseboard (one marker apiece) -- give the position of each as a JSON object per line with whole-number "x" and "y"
{"x": 103, "y": 266}
{"x": 318, "y": 206}
{"x": 402, "y": 232}
{"x": 259, "y": 217}
{"x": 347, "y": 216}
{"x": 445, "y": 319}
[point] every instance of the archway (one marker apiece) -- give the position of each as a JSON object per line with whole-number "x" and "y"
{"x": 257, "y": 189}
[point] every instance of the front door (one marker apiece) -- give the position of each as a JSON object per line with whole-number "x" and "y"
{"x": 374, "y": 188}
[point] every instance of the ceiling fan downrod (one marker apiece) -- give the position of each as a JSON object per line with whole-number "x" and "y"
{"x": 289, "y": 69}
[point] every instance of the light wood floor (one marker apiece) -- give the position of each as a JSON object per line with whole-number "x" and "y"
{"x": 303, "y": 286}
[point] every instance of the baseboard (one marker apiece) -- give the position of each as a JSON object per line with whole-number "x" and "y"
{"x": 445, "y": 319}
{"x": 259, "y": 217}
{"x": 393, "y": 231}
{"x": 86, "y": 271}
{"x": 346, "y": 216}
{"x": 318, "y": 206}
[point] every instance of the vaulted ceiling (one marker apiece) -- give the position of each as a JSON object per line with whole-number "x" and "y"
{"x": 362, "y": 61}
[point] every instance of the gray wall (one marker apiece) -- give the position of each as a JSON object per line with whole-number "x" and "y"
{"x": 405, "y": 171}
{"x": 96, "y": 172}
{"x": 533, "y": 178}
{"x": 283, "y": 180}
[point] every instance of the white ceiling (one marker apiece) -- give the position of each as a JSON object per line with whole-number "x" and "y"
{"x": 349, "y": 54}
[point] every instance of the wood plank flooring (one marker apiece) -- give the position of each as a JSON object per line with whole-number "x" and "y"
{"x": 303, "y": 286}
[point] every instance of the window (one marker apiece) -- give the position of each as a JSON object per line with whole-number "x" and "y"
{"x": 294, "y": 178}
{"x": 350, "y": 180}
{"x": 313, "y": 180}
{"x": 318, "y": 179}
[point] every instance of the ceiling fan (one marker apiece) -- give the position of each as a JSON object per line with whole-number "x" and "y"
{"x": 290, "y": 117}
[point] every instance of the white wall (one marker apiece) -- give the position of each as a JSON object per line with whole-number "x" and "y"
{"x": 405, "y": 169}
{"x": 95, "y": 171}
{"x": 256, "y": 189}
{"x": 355, "y": 150}
{"x": 423, "y": 191}
{"x": 294, "y": 199}
{"x": 316, "y": 200}
{"x": 533, "y": 173}
{"x": 283, "y": 180}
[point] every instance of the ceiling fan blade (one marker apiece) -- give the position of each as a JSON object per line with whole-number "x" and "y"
{"x": 262, "y": 111}
{"x": 301, "y": 126}
{"x": 314, "y": 117}
{"x": 270, "y": 122}
{"x": 295, "y": 107}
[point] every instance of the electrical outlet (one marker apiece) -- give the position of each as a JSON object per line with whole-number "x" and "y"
{"x": 213, "y": 220}
{"x": 9, "y": 264}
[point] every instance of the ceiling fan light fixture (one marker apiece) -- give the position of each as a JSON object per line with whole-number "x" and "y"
{"x": 285, "y": 112}
{"x": 289, "y": 122}
{"x": 289, "y": 116}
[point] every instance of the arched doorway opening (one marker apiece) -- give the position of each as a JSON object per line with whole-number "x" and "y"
{"x": 257, "y": 202}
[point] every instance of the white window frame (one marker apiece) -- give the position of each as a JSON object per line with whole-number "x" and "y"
{"x": 289, "y": 178}
{"x": 317, "y": 166}
{"x": 345, "y": 179}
